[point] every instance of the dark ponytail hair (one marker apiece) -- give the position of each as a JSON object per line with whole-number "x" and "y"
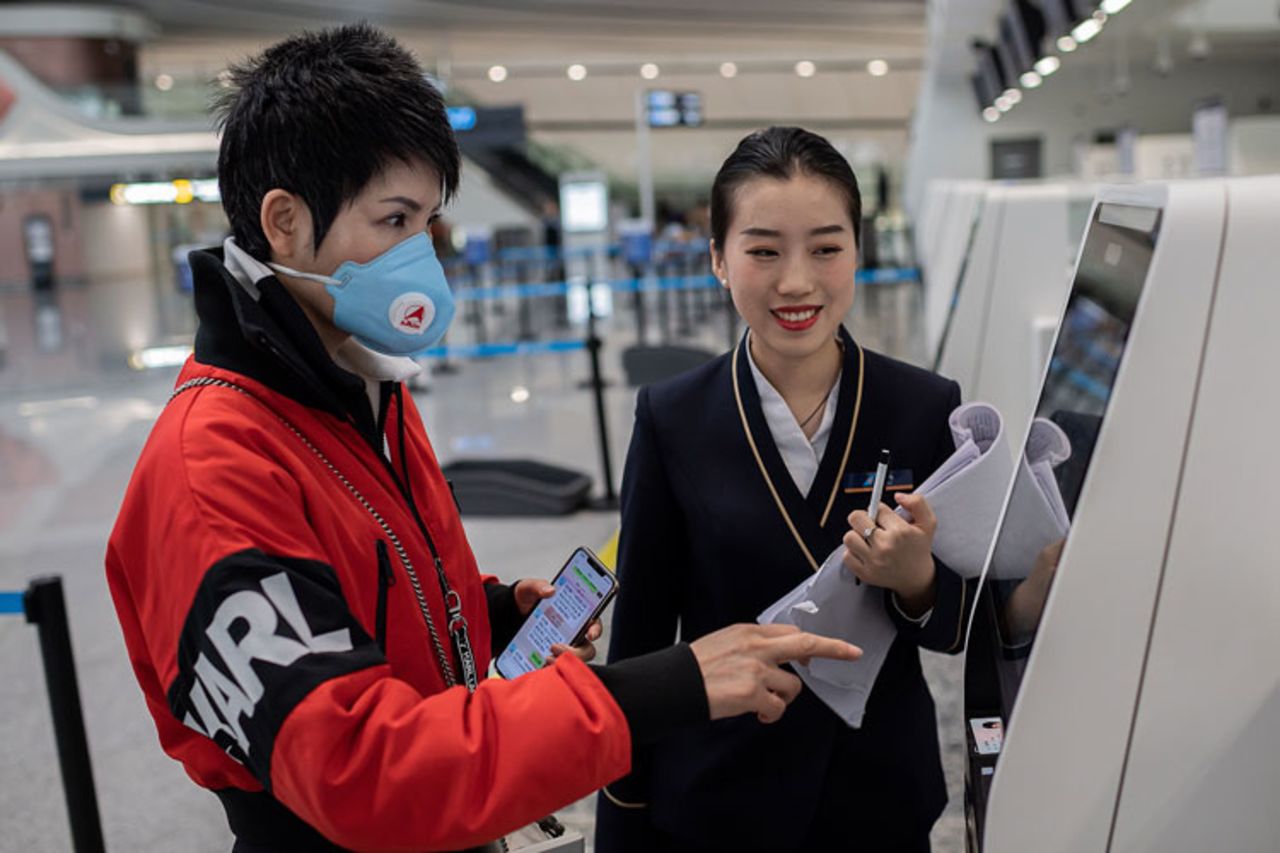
{"x": 780, "y": 153}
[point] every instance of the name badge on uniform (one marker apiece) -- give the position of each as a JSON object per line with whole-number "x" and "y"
{"x": 899, "y": 480}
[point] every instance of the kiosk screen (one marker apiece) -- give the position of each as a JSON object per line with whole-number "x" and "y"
{"x": 1086, "y": 357}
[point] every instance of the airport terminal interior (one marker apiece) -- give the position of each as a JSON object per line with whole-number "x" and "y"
{"x": 1071, "y": 208}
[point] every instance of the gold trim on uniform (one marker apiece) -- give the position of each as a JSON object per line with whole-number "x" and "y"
{"x": 755, "y": 451}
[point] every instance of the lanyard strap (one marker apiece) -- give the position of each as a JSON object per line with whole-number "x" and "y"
{"x": 457, "y": 624}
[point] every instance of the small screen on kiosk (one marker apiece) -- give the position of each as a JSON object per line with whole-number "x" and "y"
{"x": 1086, "y": 358}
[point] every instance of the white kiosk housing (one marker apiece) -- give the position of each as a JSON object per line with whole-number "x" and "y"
{"x": 1141, "y": 702}
{"x": 1007, "y": 303}
{"x": 950, "y": 238}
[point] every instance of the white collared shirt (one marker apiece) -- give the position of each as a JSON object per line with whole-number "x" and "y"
{"x": 801, "y": 455}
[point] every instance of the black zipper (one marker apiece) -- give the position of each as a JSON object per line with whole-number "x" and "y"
{"x": 386, "y": 580}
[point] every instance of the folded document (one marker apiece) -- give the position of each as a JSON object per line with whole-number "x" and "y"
{"x": 966, "y": 493}
{"x": 967, "y": 490}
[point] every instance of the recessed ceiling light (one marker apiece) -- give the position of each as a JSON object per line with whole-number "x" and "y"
{"x": 877, "y": 68}
{"x": 649, "y": 71}
{"x": 1087, "y": 29}
{"x": 1046, "y": 65}
{"x": 805, "y": 68}
{"x": 498, "y": 73}
{"x": 577, "y": 72}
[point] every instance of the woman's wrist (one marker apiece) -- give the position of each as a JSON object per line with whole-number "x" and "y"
{"x": 917, "y": 597}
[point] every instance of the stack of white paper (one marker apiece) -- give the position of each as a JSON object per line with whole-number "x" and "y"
{"x": 1037, "y": 516}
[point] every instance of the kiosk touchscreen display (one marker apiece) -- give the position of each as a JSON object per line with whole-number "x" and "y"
{"x": 1117, "y": 252}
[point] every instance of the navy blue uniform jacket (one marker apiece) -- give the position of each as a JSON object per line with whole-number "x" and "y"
{"x": 705, "y": 545}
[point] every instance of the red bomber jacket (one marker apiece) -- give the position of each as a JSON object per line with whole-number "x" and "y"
{"x": 273, "y": 569}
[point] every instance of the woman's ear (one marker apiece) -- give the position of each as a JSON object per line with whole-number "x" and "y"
{"x": 286, "y": 223}
{"x": 718, "y": 266}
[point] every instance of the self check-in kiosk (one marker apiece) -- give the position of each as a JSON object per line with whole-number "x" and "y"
{"x": 1005, "y": 305}
{"x": 950, "y": 239}
{"x": 1122, "y": 684}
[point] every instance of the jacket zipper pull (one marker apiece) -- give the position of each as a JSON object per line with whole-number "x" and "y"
{"x": 386, "y": 579}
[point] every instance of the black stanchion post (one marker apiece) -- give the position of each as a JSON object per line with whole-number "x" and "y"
{"x": 684, "y": 327}
{"x": 610, "y": 499}
{"x": 638, "y": 274}
{"x": 477, "y": 306}
{"x": 526, "y": 306}
{"x": 46, "y": 608}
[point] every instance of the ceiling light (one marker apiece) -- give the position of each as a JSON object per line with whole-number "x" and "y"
{"x": 1013, "y": 96}
{"x": 877, "y": 68}
{"x": 1030, "y": 80}
{"x": 520, "y": 394}
{"x": 577, "y": 72}
{"x": 498, "y": 73}
{"x": 164, "y": 82}
{"x": 990, "y": 115}
{"x": 728, "y": 69}
{"x": 649, "y": 71}
{"x": 805, "y": 68}
{"x": 1067, "y": 44}
{"x": 1113, "y": 6}
{"x": 1003, "y": 104}
{"x": 1087, "y": 29}
{"x": 1046, "y": 65}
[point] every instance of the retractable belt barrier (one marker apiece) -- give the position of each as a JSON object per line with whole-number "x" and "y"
{"x": 45, "y": 606}
{"x": 533, "y": 290}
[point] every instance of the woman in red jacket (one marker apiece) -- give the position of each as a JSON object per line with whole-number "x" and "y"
{"x": 298, "y": 598}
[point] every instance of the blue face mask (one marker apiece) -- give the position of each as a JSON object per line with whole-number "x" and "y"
{"x": 399, "y": 303}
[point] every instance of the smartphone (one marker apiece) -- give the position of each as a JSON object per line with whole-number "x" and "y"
{"x": 584, "y": 587}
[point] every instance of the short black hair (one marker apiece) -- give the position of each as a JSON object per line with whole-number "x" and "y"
{"x": 319, "y": 115}
{"x": 780, "y": 152}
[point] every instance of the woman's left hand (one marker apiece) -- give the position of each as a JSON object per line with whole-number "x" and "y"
{"x": 898, "y": 555}
{"x": 529, "y": 592}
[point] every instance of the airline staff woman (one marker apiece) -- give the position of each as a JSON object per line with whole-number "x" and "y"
{"x": 742, "y": 476}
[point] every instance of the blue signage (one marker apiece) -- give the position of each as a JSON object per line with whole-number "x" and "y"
{"x": 462, "y": 118}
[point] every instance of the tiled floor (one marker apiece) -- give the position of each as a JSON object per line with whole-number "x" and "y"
{"x": 65, "y": 458}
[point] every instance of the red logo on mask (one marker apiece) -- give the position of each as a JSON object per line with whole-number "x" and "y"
{"x": 414, "y": 317}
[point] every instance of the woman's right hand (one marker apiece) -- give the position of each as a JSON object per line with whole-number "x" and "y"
{"x": 741, "y": 667}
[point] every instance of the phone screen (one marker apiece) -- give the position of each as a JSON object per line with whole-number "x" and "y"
{"x": 582, "y": 587}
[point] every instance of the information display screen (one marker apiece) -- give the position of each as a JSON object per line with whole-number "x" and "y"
{"x": 584, "y": 207}
{"x": 1086, "y": 358}
{"x": 580, "y": 588}
{"x": 673, "y": 109}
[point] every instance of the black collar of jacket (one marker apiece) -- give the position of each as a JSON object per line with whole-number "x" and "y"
{"x": 271, "y": 341}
